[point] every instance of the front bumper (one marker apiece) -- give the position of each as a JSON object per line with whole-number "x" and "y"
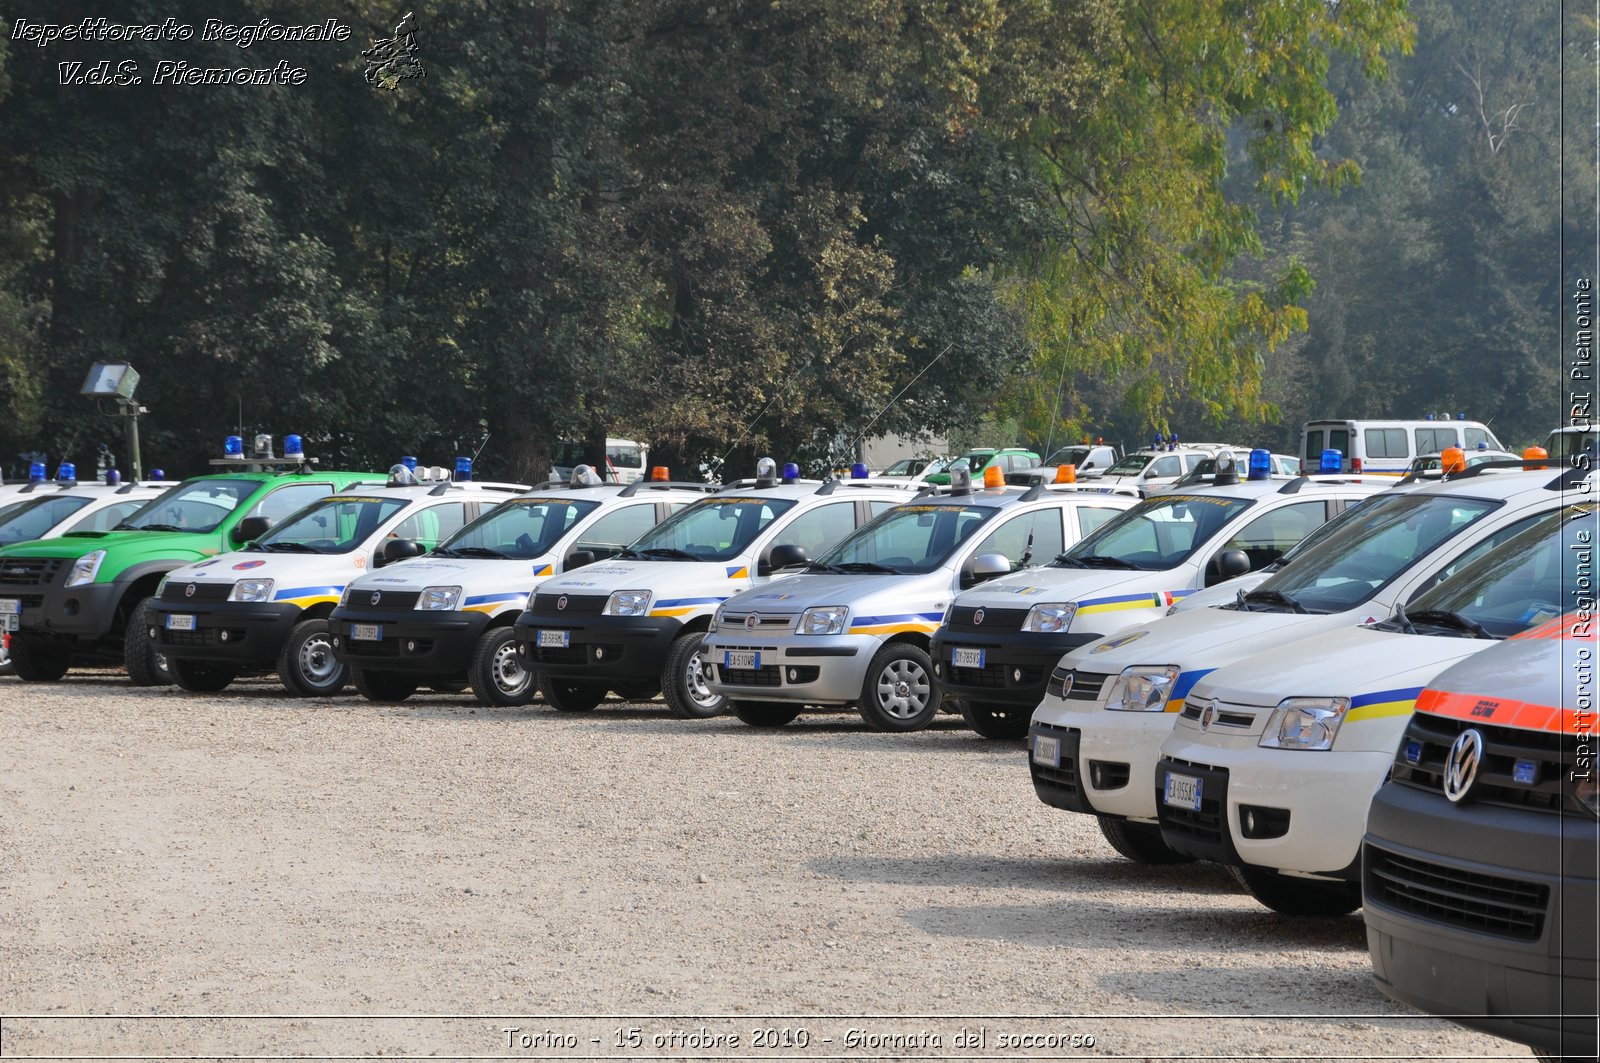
{"x": 1513, "y": 953}
{"x": 85, "y": 613}
{"x": 1118, "y": 751}
{"x": 1016, "y": 663}
{"x": 1309, "y": 806}
{"x": 600, "y": 648}
{"x": 411, "y": 640}
{"x": 827, "y": 670}
{"x": 247, "y": 632}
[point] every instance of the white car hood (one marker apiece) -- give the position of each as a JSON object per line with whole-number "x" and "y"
{"x": 1087, "y": 587}
{"x": 1199, "y": 639}
{"x": 303, "y": 579}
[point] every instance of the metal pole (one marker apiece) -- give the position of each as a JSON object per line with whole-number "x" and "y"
{"x": 130, "y": 411}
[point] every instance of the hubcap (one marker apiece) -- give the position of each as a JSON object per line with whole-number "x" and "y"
{"x": 699, "y": 690}
{"x": 903, "y": 690}
{"x": 509, "y": 675}
{"x": 317, "y": 662}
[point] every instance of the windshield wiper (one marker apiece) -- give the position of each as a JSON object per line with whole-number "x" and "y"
{"x": 818, "y": 566}
{"x": 153, "y": 527}
{"x": 867, "y": 566}
{"x": 1401, "y": 620}
{"x": 669, "y": 551}
{"x": 1447, "y": 618}
{"x": 472, "y": 551}
{"x": 1279, "y": 597}
{"x": 286, "y": 547}
{"x": 1101, "y": 561}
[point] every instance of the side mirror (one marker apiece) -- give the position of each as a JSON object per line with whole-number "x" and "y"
{"x": 782, "y": 556}
{"x": 984, "y": 567}
{"x": 1227, "y": 565}
{"x": 400, "y": 549}
{"x": 579, "y": 558}
{"x": 250, "y": 529}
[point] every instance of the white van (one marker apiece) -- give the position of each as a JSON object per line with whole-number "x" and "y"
{"x": 626, "y": 461}
{"x": 1387, "y": 447}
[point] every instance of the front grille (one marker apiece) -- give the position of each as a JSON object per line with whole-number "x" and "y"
{"x": 31, "y": 601}
{"x": 370, "y": 647}
{"x": 206, "y": 636}
{"x": 577, "y": 604}
{"x": 362, "y": 600}
{"x": 1065, "y": 777}
{"x": 1490, "y": 904}
{"x": 993, "y": 675}
{"x": 734, "y": 623}
{"x": 29, "y": 571}
{"x": 765, "y": 676}
{"x": 993, "y": 619}
{"x": 1428, "y": 738}
{"x": 1225, "y": 718}
{"x": 1086, "y": 686}
{"x": 565, "y": 654}
{"x": 1208, "y": 825}
{"x": 203, "y": 592}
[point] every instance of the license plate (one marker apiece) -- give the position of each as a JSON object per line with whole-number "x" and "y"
{"x": 555, "y": 639}
{"x": 1183, "y": 791}
{"x": 366, "y": 632}
{"x": 11, "y": 605}
{"x": 965, "y": 658}
{"x": 10, "y": 622}
{"x": 180, "y": 622}
{"x": 745, "y": 660}
{"x": 1047, "y": 751}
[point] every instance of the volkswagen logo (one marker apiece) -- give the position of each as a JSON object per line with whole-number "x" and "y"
{"x": 188, "y": 592}
{"x": 1208, "y": 715}
{"x": 377, "y": 596}
{"x": 561, "y": 602}
{"x": 977, "y": 617}
{"x": 1461, "y": 764}
{"x": 751, "y": 621}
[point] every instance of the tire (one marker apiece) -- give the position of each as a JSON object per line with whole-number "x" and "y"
{"x": 1140, "y": 842}
{"x": 37, "y": 660}
{"x": 1288, "y": 895}
{"x": 639, "y": 690}
{"x": 307, "y": 667}
{"x": 997, "y": 721}
{"x": 898, "y": 694}
{"x": 763, "y": 714}
{"x": 571, "y": 695}
{"x": 497, "y": 672}
{"x": 199, "y": 678}
{"x": 383, "y": 686}
{"x": 688, "y": 695}
{"x": 146, "y": 666}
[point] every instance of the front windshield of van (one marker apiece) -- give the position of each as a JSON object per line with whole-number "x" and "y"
{"x": 912, "y": 538}
{"x": 1159, "y": 533}
{"x": 1132, "y": 465}
{"x": 1563, "y": 445}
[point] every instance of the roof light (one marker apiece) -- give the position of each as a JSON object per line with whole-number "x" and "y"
{"x": 994, "y": 476}
{"x": 1430, "y": 417}
{"x": 1453, "y": 459}
{"x": 292, "y": 448}
{"x": 660, "y": 474}
{"x": 584, "y": 476}
{"x": 1536, "y": 454}
{"x": 1483, "y": 444}
{"x": 1067, "y": 474}
{"x": 409, "y": 461}
{"x": 463, "y": 468}
{"x": 263, "y": 447}
{"x": 1461, "y": 417}
{"x": 1155, "y": 444}
{"x": 66, "y": 473}
{"x": 766, "y": 471}
{"x": 158, "y": 474}
{"x": 858, "y": 471}
{"x": 233, "y": 447}
{"x": 36, "y": 472}
{"x": 401, "y": 476}
{"x": 1332, "y": 461}
{"x": 113, "y": 477}
{"x": 1227, "y": 469}
{"x": 1260, "y": 464}
{"x": 1172, "y": 443}
{"x": 791, "y": 472}
{"x": 961, "y": 478}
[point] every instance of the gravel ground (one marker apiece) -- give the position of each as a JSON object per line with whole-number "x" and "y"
{"x": 417, "y": 879}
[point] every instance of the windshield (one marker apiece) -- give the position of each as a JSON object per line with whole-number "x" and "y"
{"x": 1361, "y": 550}
{"x": 335, "y": 525}
{"x": 1068, "y": 456}
{"x": 523, "y": 529}
{"x": 1132, "y": 465}
{"x": 716, "y": 529}
{"x": 1156, "y": 534}
{"x": 1563, "y": 445}
{"x": 29, "y": 520}
{"x": 907, "y": 539}
{"x": 196, "y": 506}
{"x": 1521, "y": 584}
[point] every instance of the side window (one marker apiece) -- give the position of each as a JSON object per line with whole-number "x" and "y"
{"x": 1167, "y": 466}
{"x": 875, "y": 507}
{"x": 1091, "y": 517}
{"x": 1476, "y": 436}
{"x": 433, "y": 525}
{"x": 606, "y": 537}
{"x": 289, "y": 498}
{"x": 817, "y": 530}
{"x": 1478, "y": 551}
{"x": 1431, "y": 440}
{"x": 1386, "y": 443}
{"x": 107, "y": 518}
{"x": 1273, "y": 534}
{"x": 1011, "y": 538}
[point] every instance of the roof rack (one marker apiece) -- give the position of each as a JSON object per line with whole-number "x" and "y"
{"x": 255, "y": 464}
{"x": 1519, "y": 464}
{"x": 662, "y": 485}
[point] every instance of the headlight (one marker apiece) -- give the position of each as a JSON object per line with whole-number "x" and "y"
{"x": 627, "y": 603}
{"x": 1586, "y": 792}
{"x": 1050, "y": 618}
{"x": 716, "y": 619}
{"x": 945, "y": 620}
{"x": 161, "y": 588}
{"x": 439, "y": 598}
{"x": 823, "y": 620}
{"x": 1305, "y": 723}
{"x": 85, "y": 568}
{"x": 344, "y": 599}
{"x": 1143, "y": 688}
{"x": 251, "y": 590}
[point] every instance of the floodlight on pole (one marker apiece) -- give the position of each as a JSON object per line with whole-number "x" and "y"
{"x": 117, "y": 381}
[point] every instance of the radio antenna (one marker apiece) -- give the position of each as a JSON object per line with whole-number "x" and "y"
{"x": 897, "y": 395}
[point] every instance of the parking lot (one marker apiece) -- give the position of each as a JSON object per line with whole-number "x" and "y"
{"x": 254, "y": 855}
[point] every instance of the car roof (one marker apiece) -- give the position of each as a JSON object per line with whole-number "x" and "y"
{"x": 1492, "y": 480}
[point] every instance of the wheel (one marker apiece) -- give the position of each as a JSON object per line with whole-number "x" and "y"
{"x": 898, "y": 694}
{"x": 993, "y": 720}
{"x": 147, "y": 667}
{"x": 571, "y": 695}
{"x": 684, "y": 683}
{"x": 765, "y": 714}
{"x": 307, "y": 667}
{"x": 1140, "y": 842}
{"x": 640, "y": 690}
{"x": 383, "y": 686}
{"x": 497, "y": 674}
{"x": 37, "y": 660}
{"x": 198, "y": 678}
{"x": 1298, "y": 896}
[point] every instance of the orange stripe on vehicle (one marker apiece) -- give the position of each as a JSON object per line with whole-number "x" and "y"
{"x": 1561, "y": 629}
{"x": 1502, "y": 712}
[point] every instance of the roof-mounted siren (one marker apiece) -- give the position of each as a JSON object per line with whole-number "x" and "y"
{"x": 660, "y": 474}
{"x": 66, "y": 473}
{"x": 1260, "y": 464}
{"x": 1227, "y": 469}
{"x": 1172, "y": 441}
{"x": 113, "y": 477}
{"x": 1332, "y": 461}
{"x": 1536, "y": 454}
{"x": 263, "y": 447}
{"x": 158, "y": 475}
{"x": 36, "y": 472}
{"x": 1067, "y": 474}
{"x": 1453, "y": 460}
{"x": 1428, "y": 417}
{"x": 463, "y": 468}
{"x": 791, "y": 472}
{"x": 1155, "y": 444}
{"x": 994, "y": 476}
{"x": 402, "y": 475}
{"x": 858, "y": 471}
{"x": 961, "y": 477}
{"x": 233, "y": 447}
{"x": 584, "y": 476}
{"x": 766, "y": 472}
{"x": 409, "y": 461}
{"x": 1463, "y": 417}
{"x": 293, "y": 448}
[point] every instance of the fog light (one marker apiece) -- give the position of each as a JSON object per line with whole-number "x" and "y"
{"x": 1016, "y": 675}
{"x": 222, "y": 636}
{"x": 1259, "y": 821}
{"x": 938, "y": 669}
{"x": 794, "y": 675}
{"x": 152, "y": 632}
{"x": 411, "y": 645}
{"x": 599, "y": 653}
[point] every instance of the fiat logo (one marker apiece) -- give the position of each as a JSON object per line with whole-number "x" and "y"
{"x": 188, "y": 592}
{"x": 1461, "y": 764}
{"x": 376, "y": 597}
{"x": 977, "y": 617}
{"x": 1208, "y": 715}
{"x": 751, "y": 621}
{"x": 561, "y": 602}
